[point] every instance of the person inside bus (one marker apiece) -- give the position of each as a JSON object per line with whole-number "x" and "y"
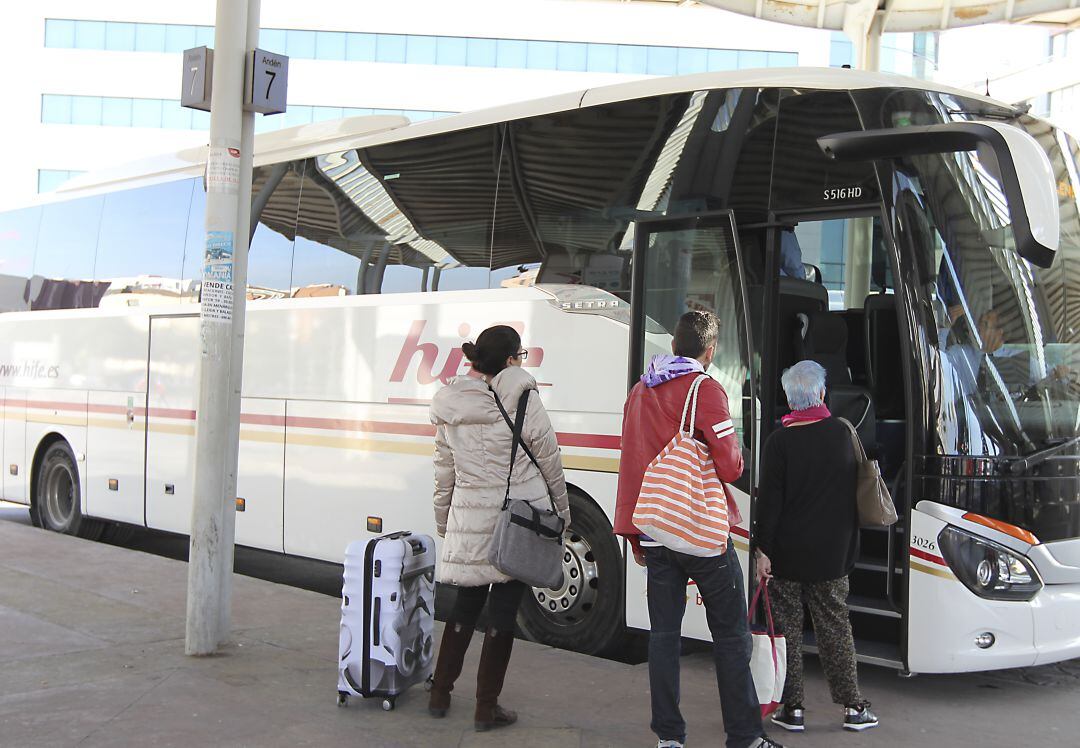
{"x": 807, "y": 539}
{"x": 472, "y": 457}
{"x": 651, "y": 417}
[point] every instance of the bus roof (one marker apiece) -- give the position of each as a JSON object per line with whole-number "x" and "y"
{"x": 319, "y": 138}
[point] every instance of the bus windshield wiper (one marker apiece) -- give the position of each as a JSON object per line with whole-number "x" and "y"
{"x": 1026, "y": 463}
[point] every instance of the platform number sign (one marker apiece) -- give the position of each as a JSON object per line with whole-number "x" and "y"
{"x": 197, "y": 77}
{"x": 267, "y": 82}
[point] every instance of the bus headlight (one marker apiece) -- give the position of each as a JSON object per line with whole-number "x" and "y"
{"x": 986, "y": 568}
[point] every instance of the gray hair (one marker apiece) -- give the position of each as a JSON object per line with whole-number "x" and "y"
{"x": 803, "y": 384}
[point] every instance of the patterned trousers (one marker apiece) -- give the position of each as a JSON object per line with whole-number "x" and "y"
{"x": 828, "y": 612}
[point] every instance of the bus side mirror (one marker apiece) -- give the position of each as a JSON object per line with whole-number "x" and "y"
{"x": 1024, "y": 170}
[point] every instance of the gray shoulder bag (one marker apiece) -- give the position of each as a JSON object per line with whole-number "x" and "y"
{"x": 527, "y": 544}
{"x": 872, "y": 497}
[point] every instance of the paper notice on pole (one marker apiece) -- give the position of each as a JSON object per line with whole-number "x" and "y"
{"x": 217, "y": 285}
{"x": 223, "y": 171}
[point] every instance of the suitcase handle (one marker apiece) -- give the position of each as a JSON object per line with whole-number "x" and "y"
{"x": 396, "y": 535}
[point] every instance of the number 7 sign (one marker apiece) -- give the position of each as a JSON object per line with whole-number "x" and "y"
{"x": 266, "y": 82}
{"x": 198, "y": 75}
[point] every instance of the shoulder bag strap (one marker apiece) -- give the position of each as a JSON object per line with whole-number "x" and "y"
{"x": 516, "y": 427}
{"x": 856, "y": 442}
{"x": 690, "y": 406}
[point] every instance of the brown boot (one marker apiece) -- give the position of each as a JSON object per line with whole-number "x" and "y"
{"x": 455, "y": 642}
{"x": 489, "y": 681}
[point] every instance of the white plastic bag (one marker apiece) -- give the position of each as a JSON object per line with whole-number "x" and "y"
{"x": 768, "y": 663}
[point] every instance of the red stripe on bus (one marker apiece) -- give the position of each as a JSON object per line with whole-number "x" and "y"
{"x": 927, "y": 556}
{"x": 736, "y": 530}
{"x": 346, "y": 424}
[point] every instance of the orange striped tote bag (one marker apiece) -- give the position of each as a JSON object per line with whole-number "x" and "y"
{"x": 682, "y": 504}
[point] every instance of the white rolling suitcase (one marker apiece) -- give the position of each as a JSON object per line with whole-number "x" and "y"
{"x": 387, "y": 617}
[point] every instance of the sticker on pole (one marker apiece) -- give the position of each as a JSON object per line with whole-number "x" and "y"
{"x": 217, "y": 285}
{"x": 223, "y": 171}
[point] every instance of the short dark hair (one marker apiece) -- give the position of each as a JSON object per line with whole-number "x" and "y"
{"x": 695, "y": 332}
{"x": 493, "y": 346}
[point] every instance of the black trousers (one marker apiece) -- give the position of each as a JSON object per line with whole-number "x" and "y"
{"x": 503, "y": 601}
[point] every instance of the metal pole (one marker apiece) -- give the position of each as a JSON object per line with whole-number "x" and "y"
{"x": 211, "y": 536}
{"x": 236, "y": 370}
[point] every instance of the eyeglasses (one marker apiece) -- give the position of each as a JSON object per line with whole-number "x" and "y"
{"x": 522, "y": 355}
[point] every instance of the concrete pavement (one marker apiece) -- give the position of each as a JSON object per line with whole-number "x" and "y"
{"x": 91, "y": 654}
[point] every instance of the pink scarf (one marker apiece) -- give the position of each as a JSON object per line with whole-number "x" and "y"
{"x": 815, "y": 413}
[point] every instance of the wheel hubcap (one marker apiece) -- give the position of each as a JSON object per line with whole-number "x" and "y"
{"x": 571, "y": 601}
{"x": 59, "y": 495}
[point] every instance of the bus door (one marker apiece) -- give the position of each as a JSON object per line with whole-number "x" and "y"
{"x": 833, "y": 302}
{"x": 679, "y": 265}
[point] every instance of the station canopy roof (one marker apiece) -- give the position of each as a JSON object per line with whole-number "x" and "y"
{"x": 908, "y": 15}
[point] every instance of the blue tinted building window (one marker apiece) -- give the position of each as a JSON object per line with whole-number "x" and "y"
{"x": 603, "y": 58}
{"x": 420, "y": 50}
{"x": 298, "y": 115}
{"x": 722, "y": 59}
{"x": 116, "y": 112}
{"x": 86, "y": 110}
{"x": 360, "y": 47}
{"x": 573, "y": 56}
{"x": 120, "y": 37}
{"x": 323, "y": 113}
{"x": 355, "y": 112}
{"x": 542, "y": 55}
{"x": 633, "y": 59}
{"x": 55, "y": 110}
{"x": 751, "y": 59}
{"x": 330, "y": 45}
{"x": 663, "y": 61}
{"x": 272, "y": 40}
{"x": 300, "y": 44}
{"x": 178, "y": 38}
{"x": 90, "y": 35}
{"x": 174, "y": 116}
{"x": 452, "y": 50}
{"x": 481, "y": 53}
{"x": 511, "y": 53}
{"x": 783, "y": 59}
{"x": 49, "y": 179}
{"x": 150, "y": 37}
{"x": 200, "y": 120}
{"x": 390, "y": 48}
{"x": 204, "y": 37}
{"x": 146, "y": 113}
{"x": 693, "y": 61}
{"x": 59, "y": 33}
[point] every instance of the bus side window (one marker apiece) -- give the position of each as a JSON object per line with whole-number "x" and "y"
{"x": 18, "y": 240}
{"x": 141, "y": 245}
{"x": 270, "y": 256}
{"x": 64, "y": 262}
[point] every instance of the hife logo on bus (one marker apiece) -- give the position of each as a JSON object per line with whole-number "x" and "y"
{"x": 455, "y": 362}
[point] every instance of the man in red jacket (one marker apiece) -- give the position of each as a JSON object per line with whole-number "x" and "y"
{"x": 650, "y": 420}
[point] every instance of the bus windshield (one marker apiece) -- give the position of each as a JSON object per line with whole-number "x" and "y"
{"x": 1006, "y": 332}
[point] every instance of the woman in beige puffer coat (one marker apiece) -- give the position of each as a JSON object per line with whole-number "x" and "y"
{"x": 472, "y": 460}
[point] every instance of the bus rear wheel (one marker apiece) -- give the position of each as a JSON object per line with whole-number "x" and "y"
{"x": 585, "y": 613}
{"x": 58, "y": 499}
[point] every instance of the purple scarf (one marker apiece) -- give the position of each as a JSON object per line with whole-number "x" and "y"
{"x": 816, "y": 413}
{"x": 664, "y": 368}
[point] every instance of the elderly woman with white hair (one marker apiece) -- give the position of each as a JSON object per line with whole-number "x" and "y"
{"x": 807, "y": 539}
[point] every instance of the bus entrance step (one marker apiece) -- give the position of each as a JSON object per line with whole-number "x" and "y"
{"x": 871, "y": 606}
{"x": 870, "y": 651}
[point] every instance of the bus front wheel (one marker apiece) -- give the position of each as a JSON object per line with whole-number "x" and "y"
{"x": 585, "y": 613}
{"x": 57, "y": 497}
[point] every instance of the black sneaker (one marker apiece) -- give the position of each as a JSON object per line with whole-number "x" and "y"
{"x": 766, "y": 742}
{"x": 859, "y": 717}
{"x": 790, "y": 717}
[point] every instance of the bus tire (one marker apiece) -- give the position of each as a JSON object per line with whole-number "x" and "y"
{"x": 586, "y": 614}
{"x": 57, "y": 496}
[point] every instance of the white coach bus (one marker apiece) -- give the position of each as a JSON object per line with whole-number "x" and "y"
{"x": 917, "y": 241}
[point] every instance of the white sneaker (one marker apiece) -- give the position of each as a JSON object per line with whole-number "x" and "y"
{"x": 670, "y": 744}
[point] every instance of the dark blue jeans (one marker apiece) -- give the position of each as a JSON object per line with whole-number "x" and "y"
{"x": 719, "y": 582}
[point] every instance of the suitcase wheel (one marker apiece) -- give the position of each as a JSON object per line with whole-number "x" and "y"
{"x": 429, "y": 682}
{"x": 342, "y": 698}
{"x": 388, "y": 705}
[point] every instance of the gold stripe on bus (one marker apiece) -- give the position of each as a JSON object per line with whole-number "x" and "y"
{"x": 362, "y": 445}
{"x": 57, "y": 420}
{"x": 271, "y": 437}
{"x": 741, "y": 545}
{"x": 182, "y": 429}
{"x": 931, "y": 570}
{"x": 593, "y": 464}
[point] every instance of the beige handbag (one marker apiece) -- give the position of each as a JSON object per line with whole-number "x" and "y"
{"x": 875, "y": 505}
